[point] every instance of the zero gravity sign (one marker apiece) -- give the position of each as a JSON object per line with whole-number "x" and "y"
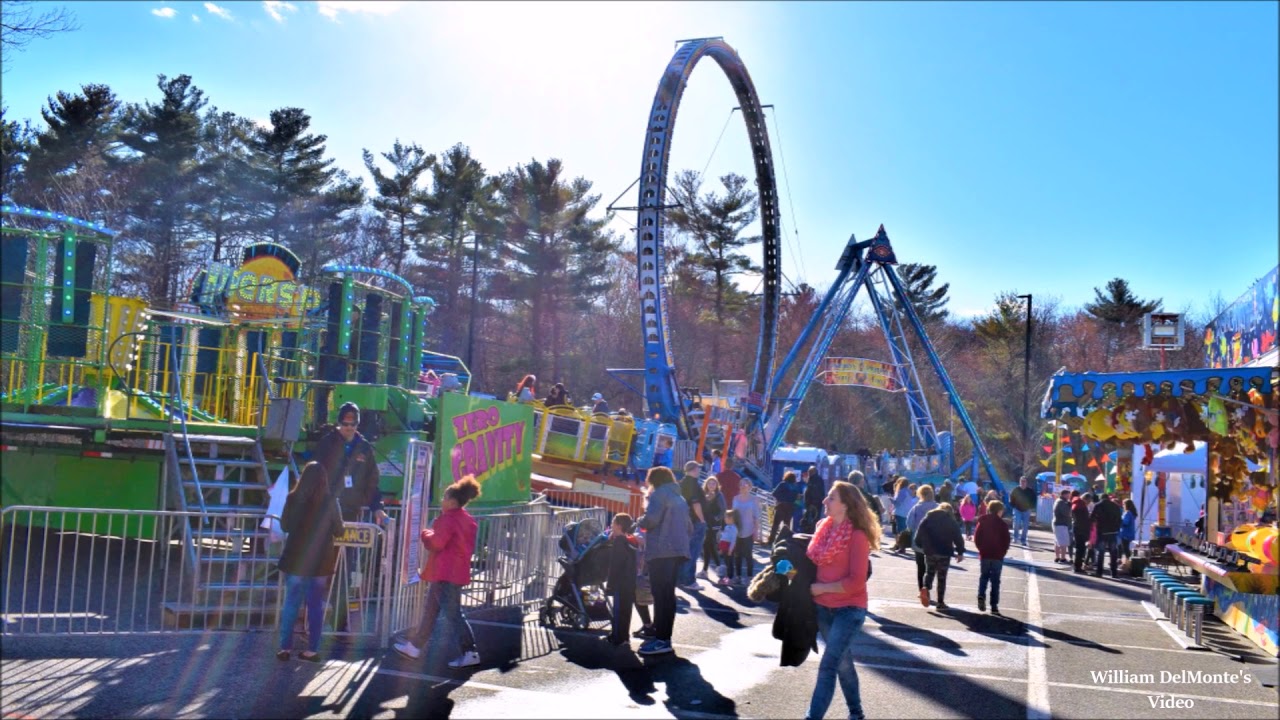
{"x": 488, "y": 439}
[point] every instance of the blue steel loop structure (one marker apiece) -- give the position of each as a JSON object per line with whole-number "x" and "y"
{"x": 659, "y": 383}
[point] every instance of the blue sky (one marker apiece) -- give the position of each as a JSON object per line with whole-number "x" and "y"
{"x": 1032, "y": 147}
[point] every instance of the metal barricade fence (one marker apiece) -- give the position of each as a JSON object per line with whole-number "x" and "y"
{"x": 514, "y": 565}
{"x": 73, "y": 571}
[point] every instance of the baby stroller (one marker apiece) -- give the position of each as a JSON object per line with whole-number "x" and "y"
{"x": 579, "y": 591}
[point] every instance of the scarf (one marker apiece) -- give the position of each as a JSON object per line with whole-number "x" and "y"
{"x": 829, "y": 540}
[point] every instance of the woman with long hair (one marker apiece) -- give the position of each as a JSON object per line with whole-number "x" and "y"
{"x": 841, "y": 551}
{"x": 667, "y": 525}
{"x": 312, "y": 519}
{"x": 526, "y": 390}
{"x": 713, "y": 510}
{"x": 450, "y": 542}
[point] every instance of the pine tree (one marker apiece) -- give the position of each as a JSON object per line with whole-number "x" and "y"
{"x": 458, "y": 236}
{"x": 16, "y": 141}
{"x": 553, "y": 248}
{"x": 302, "y": 201}
{"x": 1118, "y": 309}
{"x": 399, "y": 195}
{"x": 928, "y": 301}
{"x": 162, "y": 141}
{"x": 225, "y": 190}
{"x": 70, "y": 167}
{"x": 715, "y": 224}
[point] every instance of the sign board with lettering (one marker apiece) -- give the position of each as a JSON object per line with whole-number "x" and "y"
{"x": 357, "y": 535}
{"x": 1162, "y": 330}
{"x": 489, "y": 439}
{"x": 417, "y": 498}
{"x": 265, "y": 285}
{"x": 860, "y": 372}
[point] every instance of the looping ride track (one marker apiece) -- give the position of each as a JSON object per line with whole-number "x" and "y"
{"x": 660, "y": 387}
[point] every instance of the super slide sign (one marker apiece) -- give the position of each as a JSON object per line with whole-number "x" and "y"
{"x": 489, "y": 439}
{"x": 859, "y": 372}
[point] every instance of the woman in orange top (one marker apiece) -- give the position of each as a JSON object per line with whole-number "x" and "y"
{"x": 841, "y": 551}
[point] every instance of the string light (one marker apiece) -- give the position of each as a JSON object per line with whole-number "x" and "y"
{"x": 47, "y": 215}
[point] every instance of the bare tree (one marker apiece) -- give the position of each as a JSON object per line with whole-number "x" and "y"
{"x": 21, "y": 22}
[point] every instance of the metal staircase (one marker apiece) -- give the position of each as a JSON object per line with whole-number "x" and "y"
{"x": 229, "y": 567}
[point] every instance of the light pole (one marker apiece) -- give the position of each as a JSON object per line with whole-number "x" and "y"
{"x": 1026, "y": 385}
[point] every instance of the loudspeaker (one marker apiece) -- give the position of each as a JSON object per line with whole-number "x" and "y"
{"x": 394, "y": 345}
{"x": 367, "y": 357}
{"x": 13, "y": 290}
{"x": 71, "y": 340}
{"x": 333, "y": 367}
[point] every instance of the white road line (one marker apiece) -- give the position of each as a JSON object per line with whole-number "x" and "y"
{"x": 1037, "y": 673}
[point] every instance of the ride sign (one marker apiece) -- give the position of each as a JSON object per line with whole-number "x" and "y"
{"x": 859, "y": 371}
{"x": 488, "y": 439}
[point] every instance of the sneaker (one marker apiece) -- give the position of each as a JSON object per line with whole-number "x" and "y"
{"x": 655, "y": 646}
{"x": 940, "y": 606}
{"x": 702, "y": 575}
{"x": 691, "y": 587}
{"x": 468, "y": 658}
{"x": 995, "y": 610}
{"x": 924, "y": 597}
{"x": 407, "y": 649}
{"x": 724, "y": 581}
{"x": 644, "y": 633}
{"x": 982, "y": 604}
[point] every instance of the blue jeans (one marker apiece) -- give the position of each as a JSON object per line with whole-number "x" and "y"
{"x": 298, "y": 588}
{"x": 838, "y": 627}
{"x": 689, "y": 570}
{"x": 990, "y": 573}
{"x": 444, "y": 599}
{"x": 1021, "y": 523}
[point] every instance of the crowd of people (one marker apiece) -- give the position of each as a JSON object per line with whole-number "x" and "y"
{"x": 827, "y": 529}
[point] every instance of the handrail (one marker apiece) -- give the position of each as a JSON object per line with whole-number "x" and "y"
{"x": 182, "y": 415}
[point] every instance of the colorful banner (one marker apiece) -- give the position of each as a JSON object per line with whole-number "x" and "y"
{"x": 417, "y": 498}
{"x": 489, "y": 439}
{"x": 860, "y": 372}
{"x": 1247, "y": 329}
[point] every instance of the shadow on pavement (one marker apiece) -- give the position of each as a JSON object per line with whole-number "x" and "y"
{"x": 917, "y": 635}
{"x": 980, "y": 701}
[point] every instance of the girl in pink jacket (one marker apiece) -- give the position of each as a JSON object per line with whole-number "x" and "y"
{"x": 968, "y": 513}
{"x": 450, "y": 543}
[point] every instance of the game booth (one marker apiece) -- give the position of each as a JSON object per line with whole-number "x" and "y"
{"x": 1215, "y": 431}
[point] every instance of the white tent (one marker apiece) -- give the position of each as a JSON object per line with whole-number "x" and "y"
{"x": 1178, "y": 460}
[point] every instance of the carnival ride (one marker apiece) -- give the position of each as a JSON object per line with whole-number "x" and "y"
{"x": 763, "y": 414}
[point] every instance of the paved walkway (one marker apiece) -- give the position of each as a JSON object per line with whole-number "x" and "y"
{"x": 1044, "y": 659}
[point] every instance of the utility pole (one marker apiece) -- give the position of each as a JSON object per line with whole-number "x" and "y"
{"x": 471, "y": 323}
{"x": 1026, "y": 386}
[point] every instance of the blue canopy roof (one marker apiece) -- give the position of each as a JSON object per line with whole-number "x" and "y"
{"x": 1068, "y": 391}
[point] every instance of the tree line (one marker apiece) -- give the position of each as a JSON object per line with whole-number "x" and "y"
{"x": 526, "y": 275}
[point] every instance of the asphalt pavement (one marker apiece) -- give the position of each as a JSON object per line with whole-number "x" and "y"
{"x": 1068, "y": 646}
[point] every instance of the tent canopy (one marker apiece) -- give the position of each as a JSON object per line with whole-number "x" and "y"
{"x": 1178, "y": 460}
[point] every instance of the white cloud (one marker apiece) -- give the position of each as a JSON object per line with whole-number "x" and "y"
{"x": 221, "y": 12}
{"x": 164, "y": 12}
{"x": 273, "y": 8}
{"x": 195, "y": 18}
{"x": 331, "y": 8}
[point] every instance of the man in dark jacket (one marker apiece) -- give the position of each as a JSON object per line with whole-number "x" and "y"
{"x": 1081, "y": 524}
{"x": 1107, "y": 517}
{"x": 815, "y": 492}
{"x": 353, "y": 471}
{"x": 784, "y": 497}
{"x": 348, "y": 460}
{"x": 1023, "y": 500}
{"x": 992, "y": 540}
{"x": 939, "y": 535}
